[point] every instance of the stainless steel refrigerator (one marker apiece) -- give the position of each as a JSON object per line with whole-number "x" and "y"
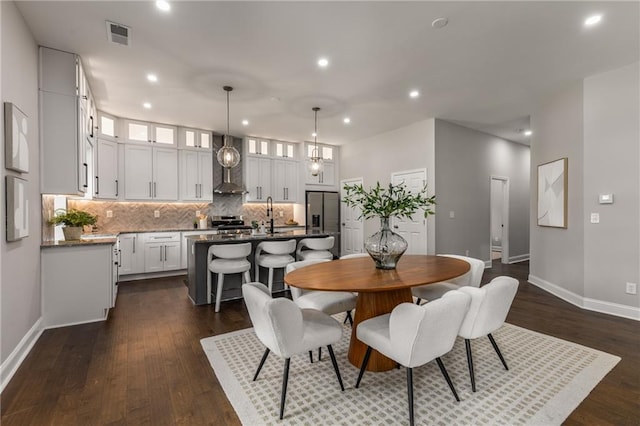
{"x": 323, "y": 215}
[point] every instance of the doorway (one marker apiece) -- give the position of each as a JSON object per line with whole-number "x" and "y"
{"x": 499, "y": 216}
{"x": 352, "y": 229}
{"x": 413, "y": 229}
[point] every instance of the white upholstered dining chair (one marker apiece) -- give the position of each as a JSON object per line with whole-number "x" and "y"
{"x": 315, "y": 248}
{"x": 287, "y": 330}
{"x": 472, "y": 278}
{"x": 489, "y": 307}
{"x": 414, "y": 335}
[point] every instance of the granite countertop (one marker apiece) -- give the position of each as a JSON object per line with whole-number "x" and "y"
{"x": 255, "y": 237}
{"x": 111, "y": 238}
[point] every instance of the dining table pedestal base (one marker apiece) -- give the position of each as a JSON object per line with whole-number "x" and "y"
{"x": 369, "y": 305}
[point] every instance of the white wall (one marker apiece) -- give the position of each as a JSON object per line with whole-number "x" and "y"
{"x": 611, "y": 151}
{"x": 375, "y": 158}
{"x": 465, "y": 161}
{"x": 20, "y": 291}
{"x": 595, "y": 123}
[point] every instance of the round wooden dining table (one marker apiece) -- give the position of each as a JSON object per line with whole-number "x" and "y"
{"x": 379, "y": 290}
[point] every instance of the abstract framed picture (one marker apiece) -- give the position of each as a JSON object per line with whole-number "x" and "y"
{"x": 552, "y": 193}
{"x": 16, "y": 152}
{"x": 17, "y": 208}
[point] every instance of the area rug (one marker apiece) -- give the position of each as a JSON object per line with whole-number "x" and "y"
{"x": 547, "y": 379}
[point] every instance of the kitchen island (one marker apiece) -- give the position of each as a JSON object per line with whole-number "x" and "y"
{"x": 198, "y": 247}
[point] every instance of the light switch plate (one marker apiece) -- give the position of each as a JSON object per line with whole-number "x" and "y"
{"x": 109, "y": 213}
{"x": 605, "y": 198}
{"x": 156, "y": 213}
{"x": 595, "y": 217}
{"x": 452, "y": 214}
{"x": 197, "y": 213}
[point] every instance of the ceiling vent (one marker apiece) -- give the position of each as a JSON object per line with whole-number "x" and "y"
{"x": 118, "y": 34}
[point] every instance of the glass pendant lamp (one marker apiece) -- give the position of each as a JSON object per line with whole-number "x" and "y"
{"x": 316, "y": 157}
{"x": 228, "y": 156}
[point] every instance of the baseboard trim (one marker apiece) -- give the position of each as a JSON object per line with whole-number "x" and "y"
{"x": 595, "y": 305}
{"x": 148, "y": 275}
{"x": 519, "y": 258}
{"x": 14, "y": 360}
{"x": 69, "y": 324}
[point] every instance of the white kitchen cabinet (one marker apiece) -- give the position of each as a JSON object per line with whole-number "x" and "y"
{"x": 326, "y": 177}
{"x": 144, "y": 132}
{"x": 63, "y": 128}
{"x": 257, "y": 146}
{"x": 106, "y": 185}
{"x": 150, "y": 173}
{"x": 162, "y": 251}
{"x": 131, "y": 254}
{"x": 257, "y": 178}
{"x": 184, "y": 258}
{"x": 284, "y": 149}
{"x": 77, "y": 284}
{"x": 107, "y": 127}
{"x": 285, "y": 181}
{"x": 194, "y": 138}
{"x": 196, "y": 176}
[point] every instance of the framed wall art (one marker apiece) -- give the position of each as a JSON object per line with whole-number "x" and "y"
{"x": 552, "y": 194}
{"x": 16, "y": 152}
{"x": 17, "y": 208}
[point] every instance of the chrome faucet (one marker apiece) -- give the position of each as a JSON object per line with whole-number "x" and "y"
{"x": 270, "y": 213}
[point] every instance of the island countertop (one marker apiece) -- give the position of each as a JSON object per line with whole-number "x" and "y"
{"x": 232, "y": 238}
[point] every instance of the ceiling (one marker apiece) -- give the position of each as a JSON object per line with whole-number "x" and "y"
{"x": 487, "y": 69}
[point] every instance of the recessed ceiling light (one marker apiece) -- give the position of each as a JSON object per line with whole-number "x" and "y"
{"x": 163, "y": 5}
{"x": 314, "y": 134}
{"x": 323, "y": 62}
{"x": 592, "y": 20}
{"x": 528, "y": 132}
{"x": 147, "y": 105}
{"x": 414, "y": 94}
{"x": 245, "y": 122}
{"x": 346, "y": 120}
{"x": 152, "y": 78}
{"x": 439, "y": 23}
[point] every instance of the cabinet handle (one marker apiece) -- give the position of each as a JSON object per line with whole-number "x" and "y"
{"x": 161, "y": 253}
{"x": 196, "y": 185}
{"x": 116, "y": 187}
{"x": 86, "y": 175}
{"x": 91, "y": 126}
{"x": 284, "y": 193}
{"x": 150, "y": 190}
{"x": 155, "y": 193}
{"x": 119, "y": 257}
{"x": 134, "y": 243}
{"x": 97, "y": 185}
{"x": 165, "y": 253}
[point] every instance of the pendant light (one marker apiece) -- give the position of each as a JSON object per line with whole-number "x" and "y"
{"x": 316, "y": 158}
{"x": 228, "y": 156}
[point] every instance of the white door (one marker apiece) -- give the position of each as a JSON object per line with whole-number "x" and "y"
{"x": 128, "y": 255}
{"x": 165, "y": 172}
{"x": 153, "y": 257}
{"x": 499, "y": 217}
{"x": 413, "y": 229}
{"x": 352, "y": 233}
{"x": 171, "y": 256}
{"x": 138, "y": 172}
{"x": 189, "y": 189}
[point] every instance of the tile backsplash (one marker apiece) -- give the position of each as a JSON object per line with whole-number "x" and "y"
{"x": 139, "y": 216}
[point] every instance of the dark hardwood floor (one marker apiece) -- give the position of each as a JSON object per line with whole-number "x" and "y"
{"x": 145, "y": 364}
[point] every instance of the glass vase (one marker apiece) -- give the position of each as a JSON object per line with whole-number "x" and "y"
{"x": 385, "y": 246}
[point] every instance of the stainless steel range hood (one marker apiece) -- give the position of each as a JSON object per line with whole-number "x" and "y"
{"x": 228, "y": 187}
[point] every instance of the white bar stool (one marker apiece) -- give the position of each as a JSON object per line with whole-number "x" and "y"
{"x": 318, "y": 248}
{"x": 277, "y": 255}
{"x": 229, "y": 259}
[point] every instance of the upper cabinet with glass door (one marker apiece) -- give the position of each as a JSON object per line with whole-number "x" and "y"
{"x": 194, "y": 138}
{"x": 107, "y": 126}
{"x": 284, "y": 150}
{"x": 144, "y": 132}
{"x": 257, "y": 146}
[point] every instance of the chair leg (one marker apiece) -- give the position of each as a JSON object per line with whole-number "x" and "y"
{"x": 257, "y": 272}
{"x": 467, "y": 344}
{"x": 446, "y": 377}
{"x": 495, "y": 346}
{"x": 363, "y": 367}
{"x": 320, "y": 353}
{"x": 270, "y": 280}
{"x": 410, "y": 394}
{"x": 285, "y": 379}
{"x": 219, "y": 291}
{"x": 264, "y": 358}
{"x": 208, "y": 286}
{"x": 311, "y": 356}
{"x": 335, "y": 366}
{"x": 350, "y": 318}
{"x": 418, "y": 301}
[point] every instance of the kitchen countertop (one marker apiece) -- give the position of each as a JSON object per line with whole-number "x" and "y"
{"x": 198, "y": 239}
{"x": 111, "y": 238}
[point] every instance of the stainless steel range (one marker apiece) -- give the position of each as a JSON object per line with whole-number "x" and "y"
{"x": 230, "y": 225}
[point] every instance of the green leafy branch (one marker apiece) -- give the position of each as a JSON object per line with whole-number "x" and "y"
{"x": 395, "y": 200}
{"x": 73, "y": 217}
